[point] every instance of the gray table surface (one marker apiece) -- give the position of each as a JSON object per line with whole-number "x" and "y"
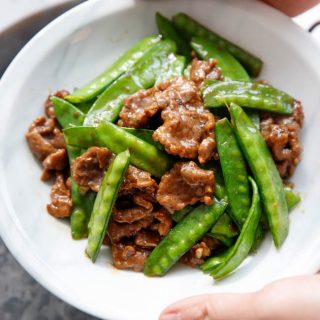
{"x": 21, "y": 297}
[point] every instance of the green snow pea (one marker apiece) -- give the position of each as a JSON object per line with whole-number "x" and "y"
{"x": 145, "y": 135}
{"x": 182, "y": 237}
{"x": 142, "y": 75}
{"x": 254, "y": 116}
{"x": 292, "y": 198}
{"x": 226, "y": 241}
{"x": 191, "y": 28}
{"x": 265, "y": 172}
{"x": 104, "y": 203}
{"x": 67, "y": 114}
{"x": 247, "y": 94}
{"x": 179, "y": 215}
{"x": 230, "y": 67}
{"x": 126, "y": 61}
{"x": 82, "y": 203}
{"x": 234, "y": 171}
{"x": 245, "y": 241}
{"x": 143, "y": 155}
{"x": 214, "y": 262}
{"x": 82, "y": 137}
{"x": 174, "y": 67}
{"x": 225, "y": 227}
{"x": 168, "y": 31}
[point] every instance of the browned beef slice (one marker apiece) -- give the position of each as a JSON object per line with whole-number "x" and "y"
{"x": 130, "y": 215}
{"x": 61, "y": 203}
{"x": 138, "y": 109}
{"x": 129, "y": 256}
{"x": 46, "y": 142}
{"x": 48, "y": 105}
{"x": 187, "y": 130}
{"x": 147, "y": 238}
{"x": 163, "y": 222}
{"x": 282, "y": 135}
{"x": 118, "y": 231}
{"x": 88, "y": 169}
{"x": 176, "y": 92}
{"x": 137, "y": 179}
{"x": 56, "y": 160}
{"x": 37, "y": 137}
{"x": 203, "y": 249}
{"x": 185, "y": 184}
{"x": 201, "y": 70}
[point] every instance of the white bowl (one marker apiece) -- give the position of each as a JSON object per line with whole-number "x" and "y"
{"x": 71, "y": 51}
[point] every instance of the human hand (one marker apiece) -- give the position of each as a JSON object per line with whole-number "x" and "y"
{"x": 292, "y": 7}
{"x": 296, "y": 298}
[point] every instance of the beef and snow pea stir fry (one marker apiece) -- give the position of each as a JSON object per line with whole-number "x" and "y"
{"x": 172, "y": 154}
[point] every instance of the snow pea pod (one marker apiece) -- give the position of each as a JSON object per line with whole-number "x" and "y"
{"x": 67, "y": 114}
{"x": 174, "y": 67}
{"x": 265, "y": 173}
{"x": 168, "y": 31}
{"x": 179, "y": 215}
{"x": 182, "y": 237}
{"x": 214, "y": 262}
{"x": 225, "y": 227}
{"x": 120, "y": 66}
{"x": 82, "y": 203}
{"x": 292, "y": 198}
{"x": 144, "y": 134}
{"x": 230, "y": 67}
{"x": 234, "y": 171}
{"x": 249, "y": 95}
{"x": 142, "y": 75}
{"x": 245, "y": 241}
{"x": 82, "y": 137}
{"x": 105, "y": 200}
{"x": 191, "y": 28}
{"x": 143, "y": 155}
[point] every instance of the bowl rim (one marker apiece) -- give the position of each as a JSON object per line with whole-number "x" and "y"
{"x": 28, "y": 259}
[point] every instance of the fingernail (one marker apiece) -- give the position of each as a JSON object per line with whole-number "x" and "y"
{"x": 170, "y": 316}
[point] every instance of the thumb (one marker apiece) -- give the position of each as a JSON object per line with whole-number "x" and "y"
{"x": 213, "y": 306}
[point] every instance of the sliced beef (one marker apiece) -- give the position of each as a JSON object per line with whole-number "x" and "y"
{"x": 282, "y": 135}
{"x": 46, "y": 142}
{"x": 136, "y": 196}
{"x": 56, "y": 160}
{"x": 147, "y": 239}
{"x": 118, "y": 231}
{"x": 185, "y": 184}
{"x": 200, "y": 251}
{"x": 176, "y": 92}
{"x": 61, "y": 203}
{"x": 202, "y": 70}
{"x": 48, "y": 105}
{"x": 129, "y": 256}
{"x": 162, "y": 222}
{"x": 138, "y": 109}
{"x": 88, "y": 169}
{"x": 38, "y": 137}
{"x": 187, "y": 132}
{"x": 130, "y": 215}
{"x": 138, "y": 180}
